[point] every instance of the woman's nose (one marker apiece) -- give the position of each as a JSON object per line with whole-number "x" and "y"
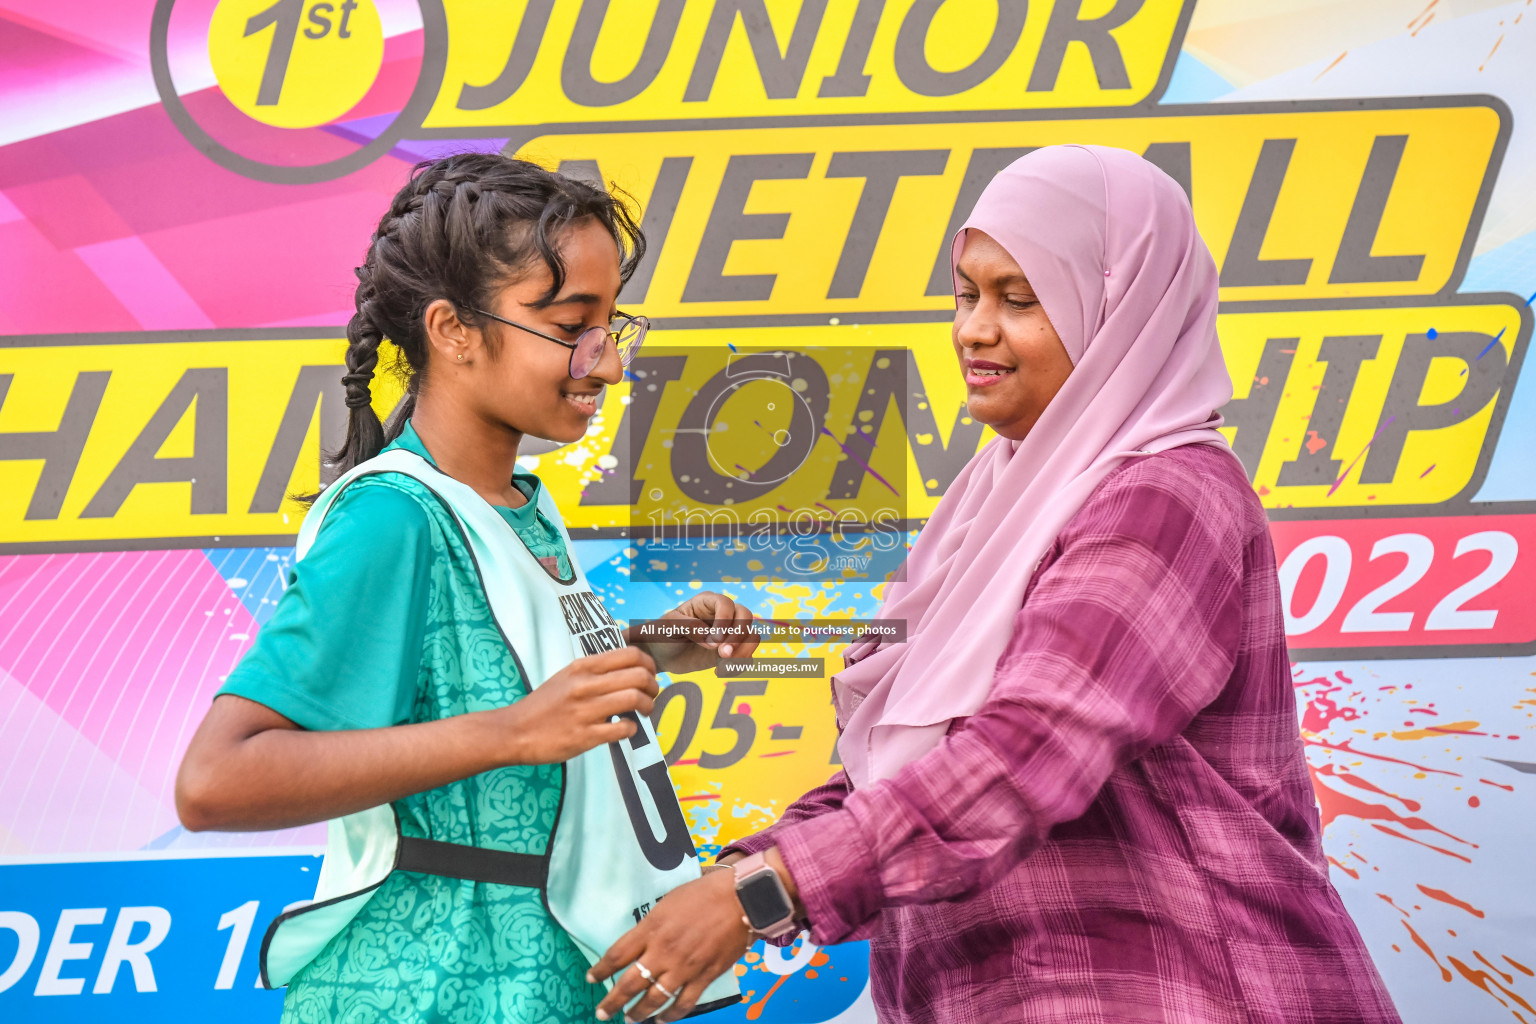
{"x": 978, "y": 329}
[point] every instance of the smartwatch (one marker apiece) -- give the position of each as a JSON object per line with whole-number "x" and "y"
{"x": 767, "y": 908}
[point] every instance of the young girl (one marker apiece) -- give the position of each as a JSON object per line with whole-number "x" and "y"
{"x": 502, "y": 812}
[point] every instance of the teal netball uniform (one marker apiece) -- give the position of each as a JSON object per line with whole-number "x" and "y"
{"x": 385, "y": 622}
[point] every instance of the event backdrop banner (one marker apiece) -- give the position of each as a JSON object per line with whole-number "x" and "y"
{"x": 186, "y": 185}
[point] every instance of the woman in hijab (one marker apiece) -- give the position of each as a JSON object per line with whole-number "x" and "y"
{"x": 1078, "y": 792}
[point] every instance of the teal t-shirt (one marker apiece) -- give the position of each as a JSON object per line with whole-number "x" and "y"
{"x": 384, "y": 622}
{"x": 341, "y": 648}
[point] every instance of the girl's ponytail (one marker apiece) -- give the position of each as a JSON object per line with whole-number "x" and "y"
{"x": 365, "y": 434}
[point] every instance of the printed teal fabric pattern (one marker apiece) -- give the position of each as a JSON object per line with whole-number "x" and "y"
{"x": 541, "y": 538}
{"x": 433, "y": 949}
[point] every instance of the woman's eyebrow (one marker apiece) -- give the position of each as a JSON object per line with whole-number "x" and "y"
{"x": 1012, "y": 277}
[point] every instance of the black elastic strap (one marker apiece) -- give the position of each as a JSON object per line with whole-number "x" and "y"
{"x": 451, "y": 860}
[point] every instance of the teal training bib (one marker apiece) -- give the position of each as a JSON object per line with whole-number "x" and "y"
{"x": 620, "y": 841}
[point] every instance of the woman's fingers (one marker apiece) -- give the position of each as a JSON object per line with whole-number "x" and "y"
{"x": 689, "y": 938}
{"x": 687, "y": 999}
{"x": 655, "y": 996}
{"x": 626, "y": 987}
{"x": 620, "y": 955}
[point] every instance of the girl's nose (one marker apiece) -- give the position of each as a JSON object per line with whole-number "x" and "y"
{"x": 609, "y": 368}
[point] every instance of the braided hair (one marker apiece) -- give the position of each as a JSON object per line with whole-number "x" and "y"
{"x": 457, "y": 229}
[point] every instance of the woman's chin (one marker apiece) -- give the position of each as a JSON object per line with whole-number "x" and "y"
{"x": 989, "y": 410}
{"x": 1009, "y": 416}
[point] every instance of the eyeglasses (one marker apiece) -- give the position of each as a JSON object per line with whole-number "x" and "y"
{"x": 626, "y": 331}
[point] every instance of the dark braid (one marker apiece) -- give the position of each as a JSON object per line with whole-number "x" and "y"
{"x": 457, "y": 230}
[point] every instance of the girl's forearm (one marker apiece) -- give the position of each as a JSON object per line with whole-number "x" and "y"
{"x": 283, "y": 777}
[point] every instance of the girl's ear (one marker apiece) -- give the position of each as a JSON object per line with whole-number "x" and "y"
{"x": 447, "y": 334}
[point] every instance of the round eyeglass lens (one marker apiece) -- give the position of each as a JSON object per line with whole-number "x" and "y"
{"x": 588, "y": 351}
{"x": 627, "y": 336}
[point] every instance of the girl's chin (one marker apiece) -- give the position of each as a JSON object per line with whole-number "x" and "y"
{"x": 568, "y": 435}
{"x": 561, "y": 423}
{"x": 559, "y": 429}
{"x": 570, "y": 425}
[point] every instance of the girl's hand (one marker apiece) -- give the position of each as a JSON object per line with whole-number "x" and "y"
{"x": 694, "y": 935}
{"x": 250, "y": 768}
{"x": 731, "y": 636}
{"x": 572, "y": 711}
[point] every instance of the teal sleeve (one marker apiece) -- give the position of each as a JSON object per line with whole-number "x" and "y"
{"x": 343, "y": 647}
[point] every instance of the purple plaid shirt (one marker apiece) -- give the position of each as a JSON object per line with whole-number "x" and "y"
{"x": 1125, "y": 831}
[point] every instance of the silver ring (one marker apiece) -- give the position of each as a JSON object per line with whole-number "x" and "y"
{"x": 658, "y": 986}
{"x": 647, "y": 975}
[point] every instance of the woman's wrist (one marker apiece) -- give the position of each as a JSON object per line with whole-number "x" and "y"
{"x": 773, "y": 859}
{"x": 776, "y": 861}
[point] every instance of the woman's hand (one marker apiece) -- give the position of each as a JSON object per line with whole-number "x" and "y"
{"x": 571, "y": 712}
{"x": 730, "y": 637}
{"x": 692, "y": 936}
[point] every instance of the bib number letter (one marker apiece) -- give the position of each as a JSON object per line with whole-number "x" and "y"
{"x": 675, "y": 844}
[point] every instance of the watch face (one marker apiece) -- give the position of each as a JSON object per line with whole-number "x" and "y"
{"x": 763, "y": 899}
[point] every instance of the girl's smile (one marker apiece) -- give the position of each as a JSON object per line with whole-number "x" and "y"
{"x": 585, "y": 402}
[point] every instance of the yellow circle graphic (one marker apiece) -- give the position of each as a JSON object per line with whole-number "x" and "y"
{"x": 295, "y": 63}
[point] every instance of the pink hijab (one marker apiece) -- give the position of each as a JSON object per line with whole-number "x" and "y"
{"x": 1109, "y": 245}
